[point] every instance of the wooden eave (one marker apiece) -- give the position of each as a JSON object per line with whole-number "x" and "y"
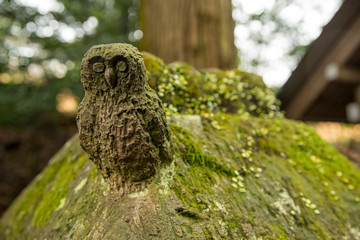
{"x": 325, "y": 79}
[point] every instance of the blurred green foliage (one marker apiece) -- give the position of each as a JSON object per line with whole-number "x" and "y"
{"x": 48, "y": 41}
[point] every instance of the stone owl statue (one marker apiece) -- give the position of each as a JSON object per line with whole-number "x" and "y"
{"x": 122, "y": 125}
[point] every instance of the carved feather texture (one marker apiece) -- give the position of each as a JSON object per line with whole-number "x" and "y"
{"x": 121, "y": 123}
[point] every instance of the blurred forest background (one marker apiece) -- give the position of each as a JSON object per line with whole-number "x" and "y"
{"x": 41, "y": 48}
{"x": 40, "y": 53}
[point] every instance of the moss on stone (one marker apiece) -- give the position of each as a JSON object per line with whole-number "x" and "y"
{"x": 233, "y": 177}
{"x": 226, "y": 183}
{"x": 52, "y": 197}
{"x": 191, "y": 153}
{"x": 185, "y": 90}
{"x": 47, "y": 190}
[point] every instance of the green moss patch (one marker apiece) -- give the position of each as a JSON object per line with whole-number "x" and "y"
{"x": 49, "y": 188}
{"x": 277, "y": 177}
{"x": 185, "y": 90}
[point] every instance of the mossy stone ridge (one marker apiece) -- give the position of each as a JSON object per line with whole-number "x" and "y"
{"x": 249, "y": 175}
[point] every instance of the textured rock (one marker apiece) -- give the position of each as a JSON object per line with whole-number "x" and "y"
{"x": 232, "y": 177}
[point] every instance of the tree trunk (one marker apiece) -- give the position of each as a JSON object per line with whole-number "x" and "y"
{"x": 199, "y": 32}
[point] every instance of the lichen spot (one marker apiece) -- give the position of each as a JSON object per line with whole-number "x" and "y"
{"x": 221, "y": 207}
{"x": 61, "y": 204}
{"x": 285, "y": 204}
{"x": 138, "y": 194}
{"x": 81, "y": 185}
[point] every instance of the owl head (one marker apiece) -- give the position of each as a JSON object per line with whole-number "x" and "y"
{"x": 117, "y": 68}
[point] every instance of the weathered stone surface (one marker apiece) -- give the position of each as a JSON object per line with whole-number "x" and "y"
{"x": 253, "y": 178}
{"x": 121, "y": 122}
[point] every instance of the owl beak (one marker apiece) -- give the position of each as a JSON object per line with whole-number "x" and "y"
{"x": 110, "y": 77}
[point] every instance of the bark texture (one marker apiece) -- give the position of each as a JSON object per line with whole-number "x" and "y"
{"x": 199, "y": 32}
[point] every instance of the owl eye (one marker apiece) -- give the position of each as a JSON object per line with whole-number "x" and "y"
{"x": 121, "y": 66}
{"x": 98, "y": 67}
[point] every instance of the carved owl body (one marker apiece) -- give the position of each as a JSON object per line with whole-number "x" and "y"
{"x": 122, "y": 125}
